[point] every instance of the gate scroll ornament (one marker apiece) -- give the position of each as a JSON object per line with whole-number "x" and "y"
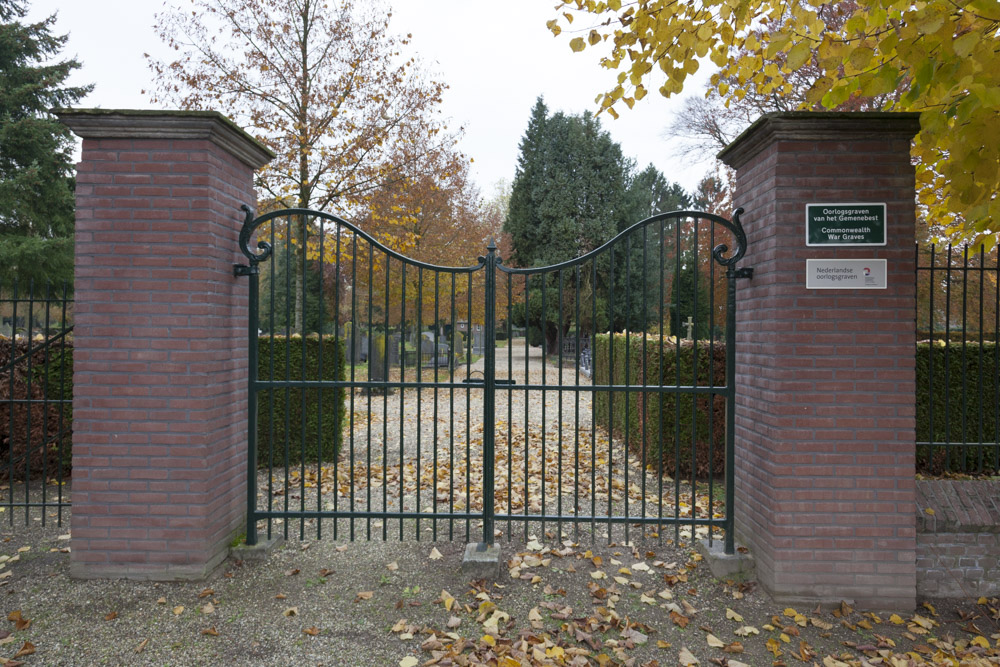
{"x": 634, "y": 263}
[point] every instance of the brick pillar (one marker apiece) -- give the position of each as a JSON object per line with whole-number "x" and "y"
{"x": 160, "y": 342}
{"x": 826, "y": 378}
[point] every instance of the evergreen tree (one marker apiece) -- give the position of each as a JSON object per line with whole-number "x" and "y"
{"x": 36, "y": 169}
{"x": 569, "y": 196}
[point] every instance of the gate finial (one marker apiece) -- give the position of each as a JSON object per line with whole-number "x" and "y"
{"x": 492, "y": 246}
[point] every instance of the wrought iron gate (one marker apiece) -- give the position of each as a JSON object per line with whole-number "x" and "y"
{"x": 390, "y": 394}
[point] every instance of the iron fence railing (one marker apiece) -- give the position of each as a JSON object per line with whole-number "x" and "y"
{"x": 958, "y": 368}
{"x": 36, "y": 380}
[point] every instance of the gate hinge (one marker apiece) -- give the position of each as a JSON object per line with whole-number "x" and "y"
{"x": 746, "y": 272}
{"x": 244, "y": 270}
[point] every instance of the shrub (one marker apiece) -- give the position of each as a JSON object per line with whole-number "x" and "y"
{"x": 35, "y": 440}
{"x": 682, "y": 414}
{"x": 302, "y": 424}
{"x": 957, "y": 417}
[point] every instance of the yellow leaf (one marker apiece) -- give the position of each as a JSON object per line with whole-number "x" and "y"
{"x": 979, "y": 640}
{"x": 489, "y": 640}
{"x": 577, "y": 44}
{"x": 929, "y": 511}
{"x": 798, "y": 55}
{"x": 895, "y": 619}
{"x": 714, "y": 641}
{"x": 409, "y": 661}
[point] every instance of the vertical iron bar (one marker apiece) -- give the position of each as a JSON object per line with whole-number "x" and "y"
{"x": 402, "y": 391}
{"x": 947, "y": 364}
{"x": 451, "y": 405}
{"x": 437, "y": 327}
{"x": 368, "y": 378}
{"x": 320, "y": 377}
{"x": 559, "y": 396}
{"x": 468, "y": 411}
{"x": 544, "y": 319}
{"x": 510, "y": 402}
{"x": 593, "y": 399}
{"x": 576, "y": 413}
{"x": 730, "y": 545}
{"x": 527, "y": 398}
{"x": 253, "y": 342}
{"x": 27, "y": 405}
{"x": 711, "y": 380}
{"x": 489, "y": 422}
{"x": 627, "y": 363}
{"x": 385, "y": 401}
{"x": 979, "y": 376}
{"x": 354, "y": 361}
{"x": 63, "y": 330}
{"x": 645, "y": 380}
{"x": 931, "y": 435}
{"x": 965, "y": 398}
{"x": 302, "y": 376}
{"x": 420, "y": 363}
{"x": 337, "y": 397}
{"x": 661, "y": 278}
{"x": 694, "y": 380}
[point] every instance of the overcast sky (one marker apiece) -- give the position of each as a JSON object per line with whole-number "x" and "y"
{"x": 497, "y": 57}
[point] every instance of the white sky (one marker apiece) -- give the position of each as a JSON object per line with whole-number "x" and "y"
{"x": 497, "y": 57}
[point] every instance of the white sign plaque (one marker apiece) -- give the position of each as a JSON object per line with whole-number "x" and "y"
{"x": 846, "y": 274}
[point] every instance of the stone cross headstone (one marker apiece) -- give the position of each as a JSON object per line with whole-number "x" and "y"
{"x": 690, "y": 326}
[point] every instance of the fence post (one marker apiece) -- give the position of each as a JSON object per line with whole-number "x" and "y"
{"x": 825, "y": 429}
{"x": 160, "y": 367}
{"x": 489, "y": 392}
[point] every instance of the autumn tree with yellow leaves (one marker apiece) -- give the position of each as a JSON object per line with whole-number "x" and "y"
{"x": 938, "y": 57}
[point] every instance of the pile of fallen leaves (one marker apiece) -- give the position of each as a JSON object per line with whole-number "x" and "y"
{"x": 674, "y": 624}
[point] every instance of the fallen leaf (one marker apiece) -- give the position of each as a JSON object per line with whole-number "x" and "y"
{"x": 896, "y": 619}
{"x": 280, "y": 596}
{"x": 142, "y": 645}
{"x": 211, "y": 632}
{"x": 733, "y": 616}
{"x": 409, "y": 661}
{"x": 209, "y": 608}
{"x": 686, "y": 659}
{"x": 161, "y": 601}
{"x": 311, "y": 631}
{"x": 435, "y": 554}
{"x": 364, "y": 595}
{"x": 454, "y": 622}
{"x": 206, "y": 592}
{"x": 291, "y": 611}
{"x": 27, "y": 649}
{"x": 714, "y": 641}
{"x": 393, "y": 566}
{"x": 112, "y": 616}
{"x": 291, "y": 573}
{"x": 178, "y": 610}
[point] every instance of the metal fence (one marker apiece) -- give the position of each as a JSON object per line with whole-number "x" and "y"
{"x": 958, "y": 368}
{"x": 36, "y": 380}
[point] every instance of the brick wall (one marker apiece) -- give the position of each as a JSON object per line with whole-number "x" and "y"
{"x": 958, "y": 538}
{"x": 825, "y": 378}
{"x": 160, "y": 362}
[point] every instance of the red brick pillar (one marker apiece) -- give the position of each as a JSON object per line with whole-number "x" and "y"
{"x": 825, "y": 377}
{"x": 160, "y": 348}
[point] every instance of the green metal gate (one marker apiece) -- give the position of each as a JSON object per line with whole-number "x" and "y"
{"x": 393, "y": 396}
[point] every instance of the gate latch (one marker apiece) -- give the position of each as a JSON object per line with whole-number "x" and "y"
{"x": 746, "y": 272}
{"x": 244, "y": 270}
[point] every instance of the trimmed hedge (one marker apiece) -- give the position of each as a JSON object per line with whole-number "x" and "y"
{"x": 46, "y": 447}
{"x": 678, "y": 410}
{"x": 946, "y": 383}
{"x": 281, "y": 419}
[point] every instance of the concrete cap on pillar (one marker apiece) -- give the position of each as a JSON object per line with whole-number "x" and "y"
{"x": 157, "y": 124}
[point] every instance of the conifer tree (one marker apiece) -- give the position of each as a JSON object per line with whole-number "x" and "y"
{"x": 36, "y": 168}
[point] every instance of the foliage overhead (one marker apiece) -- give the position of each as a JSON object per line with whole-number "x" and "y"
{"x": 36, "y": 166}
{"x": 936, "y": 57}
{"x": 323, "y": 84}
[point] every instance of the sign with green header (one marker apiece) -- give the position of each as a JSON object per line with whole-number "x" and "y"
{"x": 845, "y": 224}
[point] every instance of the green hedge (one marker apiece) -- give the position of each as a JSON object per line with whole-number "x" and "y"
{"x": 678, "y": 410}
{"x": 946, "y": 383}
{"x": 280, "y": 411}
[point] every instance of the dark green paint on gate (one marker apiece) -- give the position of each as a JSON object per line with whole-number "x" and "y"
{"x": 425, "y": 326}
